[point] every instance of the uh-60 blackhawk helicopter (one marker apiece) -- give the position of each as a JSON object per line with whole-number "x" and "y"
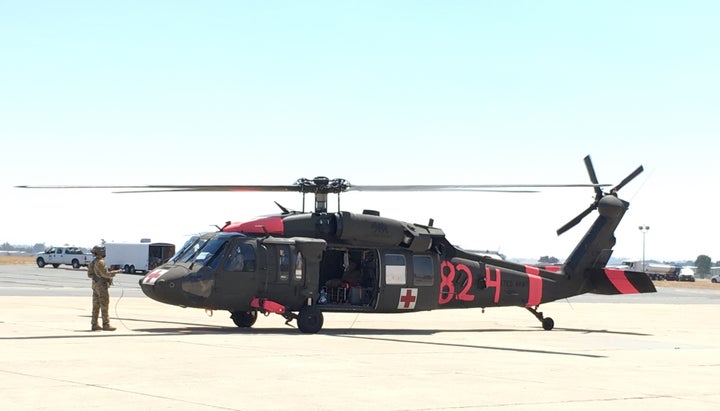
{"x": 303, "y": 264}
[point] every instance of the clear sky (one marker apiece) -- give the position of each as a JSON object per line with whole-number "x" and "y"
{"x": 377, "y": 92}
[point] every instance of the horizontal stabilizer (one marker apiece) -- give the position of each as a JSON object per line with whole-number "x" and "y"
{"x": 619, "y": 281}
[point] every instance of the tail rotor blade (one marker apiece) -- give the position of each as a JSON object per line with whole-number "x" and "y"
{"x": 572, "y": 223}
{"x": 593, "y": 177}
{"x": 627, "y": 179}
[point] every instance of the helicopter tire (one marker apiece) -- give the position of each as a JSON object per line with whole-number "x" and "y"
{"x": 548, "y": 323}
{"x": 310, "y": 319}
{"x": 244, "y": 319}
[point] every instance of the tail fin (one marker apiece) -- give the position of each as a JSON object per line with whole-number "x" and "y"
{"x": 593, "y": 252}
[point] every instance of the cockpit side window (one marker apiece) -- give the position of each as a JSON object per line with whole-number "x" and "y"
{"x": 241, "y": 258}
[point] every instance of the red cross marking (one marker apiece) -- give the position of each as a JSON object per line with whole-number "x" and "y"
{"x": 408, "y": 298}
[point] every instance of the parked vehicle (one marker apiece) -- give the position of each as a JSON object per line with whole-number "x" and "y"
{"x": 137, "y": 257}
{"x": 715, "y": 278}
{"x": 686, "y": 274}
{"x": 55, "y": 256}
{"x": 655, "y": 271}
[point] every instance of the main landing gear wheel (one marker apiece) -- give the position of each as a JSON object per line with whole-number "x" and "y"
{"x": 310, "y": 319}
{"x": 547, "y": 322}
{"x": 244, "y": 319}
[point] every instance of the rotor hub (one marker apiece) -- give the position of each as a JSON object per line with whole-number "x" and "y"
{"x": 322, "y": 185}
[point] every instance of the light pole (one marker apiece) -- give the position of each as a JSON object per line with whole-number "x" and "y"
{"x": 644, "y": 229}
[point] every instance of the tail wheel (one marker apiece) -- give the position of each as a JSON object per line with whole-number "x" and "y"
{"x": 548, "y": 324}
{"x": 244, "y": 319}
{"x": 310, "y": 319}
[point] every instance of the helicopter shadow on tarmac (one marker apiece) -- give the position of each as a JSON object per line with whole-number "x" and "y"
{"x": 378, "y": 334}
{"x": 174, "y": 328}
{"x": 203, "y": 329}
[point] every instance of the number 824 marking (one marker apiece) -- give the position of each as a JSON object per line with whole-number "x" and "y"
{"x": 448, "y": 271}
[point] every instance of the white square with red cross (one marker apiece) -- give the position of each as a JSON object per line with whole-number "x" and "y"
{"x": 408, "y": 298}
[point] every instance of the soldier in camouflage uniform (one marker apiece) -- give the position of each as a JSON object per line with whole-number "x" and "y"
{"x": 101, "y": 281}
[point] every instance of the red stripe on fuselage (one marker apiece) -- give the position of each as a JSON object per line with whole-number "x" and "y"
{"x": 271, "y": 225}
{"x": 535, "y": 286}
{"x": 620, "y": 281}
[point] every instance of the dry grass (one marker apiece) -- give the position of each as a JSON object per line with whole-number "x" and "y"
{"x": 17, "y": 259}
{"x": 699, "y": 283}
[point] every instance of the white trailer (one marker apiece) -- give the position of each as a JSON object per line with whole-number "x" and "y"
{"x": 137, "y": 257}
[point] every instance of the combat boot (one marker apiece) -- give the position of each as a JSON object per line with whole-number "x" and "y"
{"x": 108, "y": 327}
{"x": 95, "y": 327}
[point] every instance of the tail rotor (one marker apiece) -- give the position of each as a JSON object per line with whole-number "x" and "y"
{"x": 598, "y": 194}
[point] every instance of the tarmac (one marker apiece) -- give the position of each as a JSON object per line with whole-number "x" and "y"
{"x": 654, "y": 353}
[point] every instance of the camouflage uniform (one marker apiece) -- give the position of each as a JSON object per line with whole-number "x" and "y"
{"x": 102, "y": 280}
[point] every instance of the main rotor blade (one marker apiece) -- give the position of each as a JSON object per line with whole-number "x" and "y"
{"x": 465, "y": 187}
{"x": 171, "y": 188}
{"x": 572, "y": 223}
{"x": 153, "y": 188}
{"x": 593, "y": 176}
{"x": 627, "y": 179}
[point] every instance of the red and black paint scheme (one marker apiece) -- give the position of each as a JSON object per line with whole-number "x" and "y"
{"x": 303, "y": 264}
{"x": 294, "y": 264}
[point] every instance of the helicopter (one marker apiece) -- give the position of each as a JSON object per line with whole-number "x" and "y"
{"x": 302, "y": 265}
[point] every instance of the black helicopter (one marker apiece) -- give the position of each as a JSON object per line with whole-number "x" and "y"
{"x": 303, "y": 264}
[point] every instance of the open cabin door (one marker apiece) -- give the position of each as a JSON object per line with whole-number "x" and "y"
{"x": 349, "y": 279}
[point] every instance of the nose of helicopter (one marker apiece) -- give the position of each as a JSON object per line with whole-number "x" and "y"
{"x": 166, "y": 285}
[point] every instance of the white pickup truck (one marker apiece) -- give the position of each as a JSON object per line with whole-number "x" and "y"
{"x": 74, "y": 256}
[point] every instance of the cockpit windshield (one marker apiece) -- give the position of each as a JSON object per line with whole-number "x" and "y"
{"x": 181, "y": 252}
{"x": 205, "y": 251}
{"x": 190, "y": 250}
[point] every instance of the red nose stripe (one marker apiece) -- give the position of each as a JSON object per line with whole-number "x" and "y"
{"x": 620, "y": 281}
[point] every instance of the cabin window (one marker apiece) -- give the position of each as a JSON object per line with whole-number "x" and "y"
{"x": 298, "y": 266}
{"x": 283, "y": 263}
{"x": 395, "y": 269}
{"x": 423, "y": 270}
